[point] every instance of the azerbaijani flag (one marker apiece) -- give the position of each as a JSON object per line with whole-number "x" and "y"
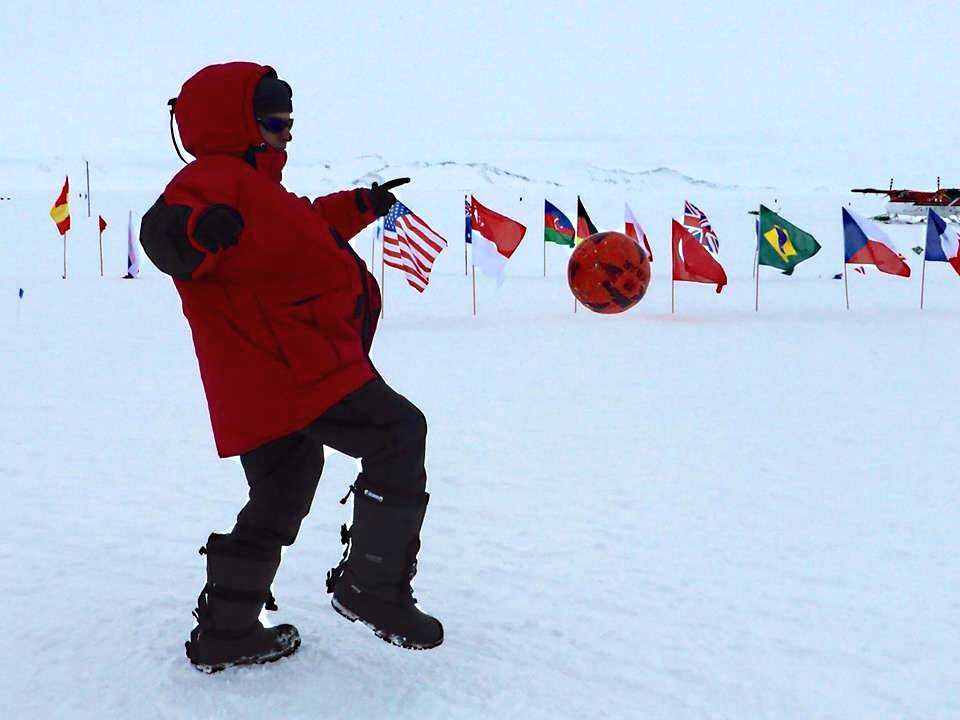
{"x": 782, "y": 244}
{"x": 557, "y": 227}
{"x": 585, "y": 226}
{"x": 866, "y": 244}
{"x": 943, "y": 241}
{"x": 60, "y": 212}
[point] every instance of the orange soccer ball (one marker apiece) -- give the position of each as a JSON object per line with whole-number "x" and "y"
{"x": 608, "y": 272}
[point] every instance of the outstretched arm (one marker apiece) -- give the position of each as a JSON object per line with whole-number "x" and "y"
{"x": 349, "y": 211}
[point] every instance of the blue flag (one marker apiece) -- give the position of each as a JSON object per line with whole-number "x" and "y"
{"x": 943, "y": 241}
{"x": 467, "y": 222}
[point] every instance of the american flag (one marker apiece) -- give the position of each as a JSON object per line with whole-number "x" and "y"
{"x": 695, "y": 221}
{"x": 410, "y": 245}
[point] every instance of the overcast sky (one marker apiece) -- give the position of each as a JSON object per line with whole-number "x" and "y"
{"x": 448, "y": 78}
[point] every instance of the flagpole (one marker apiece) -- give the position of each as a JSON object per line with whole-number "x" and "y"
{"x": 846, "y": 287}
{"x": 88, "y": 187}
{"x": 756, "y": 275}
{"x": 544, "y": 257}
{"x": 756, "y": 267}
{"x": 373, "y": 246}
{"x": 64, "y": 256}
{"x": 383, "y": 284}
{"x": 101, "y": 253}
{"x": 474, "y": 289}
{"x": 673, "y": 292}
{"x": 923, "y": 275}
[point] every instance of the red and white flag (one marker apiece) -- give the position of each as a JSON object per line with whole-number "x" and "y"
{"x": 633, "y": 229}
{"x": 500, "y": 236}
{"x": 410, "y": 245}
{"x": 692, "y": 262}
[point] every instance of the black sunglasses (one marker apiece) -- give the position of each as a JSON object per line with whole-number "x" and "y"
{"x": 275, "y": 124}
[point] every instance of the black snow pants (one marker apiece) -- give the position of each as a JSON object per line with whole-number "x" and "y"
{"x": 375, "y": 423}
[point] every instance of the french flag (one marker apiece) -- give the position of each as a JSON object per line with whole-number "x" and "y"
{"x": 866, "y": 244}
{"x": 943, "y": 241}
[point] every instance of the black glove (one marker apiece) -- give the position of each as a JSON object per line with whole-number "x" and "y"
{"x": 381, "y": 199}
{"x": 218, "y": 227}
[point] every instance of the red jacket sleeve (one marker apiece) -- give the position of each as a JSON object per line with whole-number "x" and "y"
{"x": 348, "y": 211}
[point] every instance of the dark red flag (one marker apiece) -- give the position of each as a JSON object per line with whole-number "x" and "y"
{"x": 692, "y": 261}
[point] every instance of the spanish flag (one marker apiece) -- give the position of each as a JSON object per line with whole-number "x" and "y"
{"x": 60, "y": 212}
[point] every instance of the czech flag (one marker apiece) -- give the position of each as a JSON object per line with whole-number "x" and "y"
{"x": 943, "y": 241}
{"x": 866, "y": 244}
{"x": 60, "y": 212}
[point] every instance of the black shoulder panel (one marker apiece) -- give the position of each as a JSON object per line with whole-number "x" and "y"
{"x": 163, "y": 235}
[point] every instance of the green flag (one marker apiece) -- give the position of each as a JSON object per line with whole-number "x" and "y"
{"x": 782, "y": 244}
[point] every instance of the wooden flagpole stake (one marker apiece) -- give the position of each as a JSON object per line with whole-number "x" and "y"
{"x": 846, "y": 287}
{"x": 756, "y": 275}
{"x": 383, "y": 285}
{"x": 673, "y": 293}
{"x": 88, "y": 187}
{"x": 923, "y": 275}
{"x": 64, "y": 256}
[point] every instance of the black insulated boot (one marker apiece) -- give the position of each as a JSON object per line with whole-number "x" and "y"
{"x": 229, "y": 631}
{"x": 372, "y": 583}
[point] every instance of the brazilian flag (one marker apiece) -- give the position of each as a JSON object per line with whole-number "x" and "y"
{"x": 782, "y": 244}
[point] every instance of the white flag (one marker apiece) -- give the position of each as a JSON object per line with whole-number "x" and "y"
{"x": 133, "y": 262}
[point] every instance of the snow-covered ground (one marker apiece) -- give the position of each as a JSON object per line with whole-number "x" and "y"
{"x": 716, "y": 513}
{"x": 710, "y": 514}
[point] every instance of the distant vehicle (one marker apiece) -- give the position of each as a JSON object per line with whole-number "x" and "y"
{"x": 908, "y": 205}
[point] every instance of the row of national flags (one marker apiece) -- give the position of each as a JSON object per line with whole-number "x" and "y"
{"x": 412, "y": 246}
{"x": 60, "y": 214}
{"x": 780, "y": 243}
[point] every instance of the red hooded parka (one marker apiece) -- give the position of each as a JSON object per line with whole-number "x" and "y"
{"x": 283, "y": 319}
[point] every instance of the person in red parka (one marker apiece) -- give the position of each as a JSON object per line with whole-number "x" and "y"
{"x": 283, "y": 313}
